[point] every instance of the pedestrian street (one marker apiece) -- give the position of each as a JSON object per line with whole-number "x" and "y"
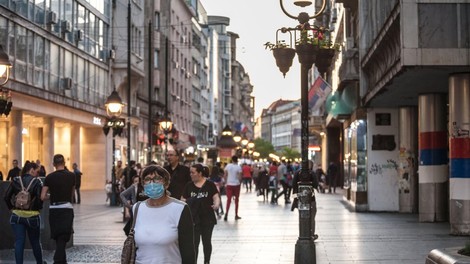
{"x": 268, "y": 233}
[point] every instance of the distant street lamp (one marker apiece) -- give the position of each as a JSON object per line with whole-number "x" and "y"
{"x": 311, "y": 48}
{"x": 114, "y": 107}
{"x": 237, "y": 137}
{"x": 5, "y": 66}
{"x": 5, "y": 94}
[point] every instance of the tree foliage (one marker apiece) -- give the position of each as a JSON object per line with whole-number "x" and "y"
{"x": 289, "y": 153}
{"x": 264, "y": 147}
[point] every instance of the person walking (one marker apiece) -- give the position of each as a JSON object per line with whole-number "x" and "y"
{"x": 78, "y": 182}
{"x": 128, "y": 174}
{"x": 247, "y": 176}
{"x": 42, "y": 169}
{"x": 61, "y": 185}
{"x": 203, "y": 198}
{"x": 332, "y": 176}
{"x": 179, "y": 174}
{"x": 14, "y": 172}
{"x": 232, "y": 177}
{"x": 282, "y": 175}
{"x": 163, "y": 225}
{"x": 273, "y": 181}
{"x": 26, "y": 220}
{"x": 263, "y": 182}
{"x": 218, "y": 180}
{"x": 129, "y": 197}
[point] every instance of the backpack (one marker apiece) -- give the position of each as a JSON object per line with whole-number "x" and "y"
{"x": 23, "y": 197}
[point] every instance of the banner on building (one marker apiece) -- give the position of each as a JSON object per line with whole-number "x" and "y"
{"x": 317, "y": 94}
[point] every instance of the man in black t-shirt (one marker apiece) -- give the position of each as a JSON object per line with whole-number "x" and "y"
{"x": 61, "y": 187}
{"x": 15, "y": 171}
{"x": 179, "y": 174}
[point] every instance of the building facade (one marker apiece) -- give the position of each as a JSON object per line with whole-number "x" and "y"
{"x": 406, "y": 134}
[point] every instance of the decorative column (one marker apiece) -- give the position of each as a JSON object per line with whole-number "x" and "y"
{"x": 459, "y": 149}
{"x": 75, "y": 144}
{"x": 15, "y": 138}
{"x": 433, "y": 169}
{"x": 407, "y": 161}
{"x": 48, "y": 139}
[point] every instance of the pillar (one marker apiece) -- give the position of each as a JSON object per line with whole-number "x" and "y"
{"x": 407, "y": 160}
{"x": 15, "y": 139}
{"x": 75, "y": 135}
{"x": 48, "y": 139}
{"x": 433, "y": 169}
{"x": 459, "y": 149}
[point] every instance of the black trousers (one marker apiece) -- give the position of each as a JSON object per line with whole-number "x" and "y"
{"x": 61, "y": 224}
{"x": 204, "y": 231}
{"x": 285, "y": 191}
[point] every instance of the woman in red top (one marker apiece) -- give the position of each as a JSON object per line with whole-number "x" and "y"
{"x": 246, "y": 174}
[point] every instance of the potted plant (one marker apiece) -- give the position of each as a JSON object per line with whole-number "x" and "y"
{"x": 283, "y": 54}
{"x": 315, "y": 46}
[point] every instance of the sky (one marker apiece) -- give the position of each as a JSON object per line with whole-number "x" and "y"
{"x": 256, "y": 22}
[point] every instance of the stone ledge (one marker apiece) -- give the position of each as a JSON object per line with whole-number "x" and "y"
{"x": 446, "y": 256}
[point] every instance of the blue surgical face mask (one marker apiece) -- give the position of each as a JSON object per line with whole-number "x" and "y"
{"x": 154, "y": 190}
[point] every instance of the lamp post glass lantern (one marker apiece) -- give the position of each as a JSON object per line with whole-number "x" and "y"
{"x": 306, "y": 48}
{"x": 5, "y": 94}
{"x": 114, "y": 107}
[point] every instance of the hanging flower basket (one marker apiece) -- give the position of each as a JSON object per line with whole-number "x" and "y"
{"x": 307, "y": 53}
{"x": 324, "y": 59}
{"x": 284, "y": 58}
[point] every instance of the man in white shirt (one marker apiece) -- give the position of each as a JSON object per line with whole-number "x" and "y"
{"x": 232, "y": 177}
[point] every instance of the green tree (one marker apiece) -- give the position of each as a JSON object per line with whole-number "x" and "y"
{"x": 289, "y": 153}
{"x": 264, "y": 147}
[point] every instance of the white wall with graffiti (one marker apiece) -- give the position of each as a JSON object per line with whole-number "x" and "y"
{"x": 382, "y": 159}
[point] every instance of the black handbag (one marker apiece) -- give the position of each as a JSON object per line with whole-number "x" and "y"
{"x": 129, "y": 248}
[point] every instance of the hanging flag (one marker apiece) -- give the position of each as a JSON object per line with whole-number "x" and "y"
{"x": 241, "y": 127}
{"x": 318, "y": 92}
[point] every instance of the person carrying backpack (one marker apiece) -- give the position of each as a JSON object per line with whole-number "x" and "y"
{"x": 23, "y": 200}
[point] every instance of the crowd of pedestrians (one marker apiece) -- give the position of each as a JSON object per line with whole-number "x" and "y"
{"x": 173, "y": 207}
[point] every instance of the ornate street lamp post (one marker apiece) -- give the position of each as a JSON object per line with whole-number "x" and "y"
{"x": 166, "y": 125}
{"x": 114, "y": 107}
{"x": 309, "y": 50}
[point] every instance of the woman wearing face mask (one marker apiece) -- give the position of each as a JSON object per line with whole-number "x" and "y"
{"x": 135, "y": 193}
{"x": 163, "y": 225}
{"x": 203, "y": 198}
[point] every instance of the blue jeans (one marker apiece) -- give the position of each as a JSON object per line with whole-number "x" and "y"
{"x": 30, "y": 225}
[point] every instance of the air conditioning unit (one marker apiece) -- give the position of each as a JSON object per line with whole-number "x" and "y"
{"x": 51, "y": 18}
{"x": 135, "y": 111}
{"x": 80, "y": 35}
{"x": 188, "y": 75}
{"x": 177, "y": 65}
{"x": 66, "y": 83}
{"x": 66, "y": 26}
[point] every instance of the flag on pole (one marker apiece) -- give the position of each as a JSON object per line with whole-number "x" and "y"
{"x": 318, "y": 92}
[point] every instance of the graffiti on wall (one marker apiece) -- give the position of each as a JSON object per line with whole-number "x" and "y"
{"x": 406, "y": 169}
{"x": 379, "y": 169}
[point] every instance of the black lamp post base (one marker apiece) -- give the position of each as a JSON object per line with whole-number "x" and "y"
{"x": 305, "y": 252}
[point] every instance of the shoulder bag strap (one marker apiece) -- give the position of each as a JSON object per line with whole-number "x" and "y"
{"x": 29, "y": 185}
{"x": 21, "y": 182}
{"x": 135, "y": 217}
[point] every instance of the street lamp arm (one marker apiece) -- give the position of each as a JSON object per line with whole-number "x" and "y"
{"x": 285, "y": 11}
{"x": 303, "y": 17}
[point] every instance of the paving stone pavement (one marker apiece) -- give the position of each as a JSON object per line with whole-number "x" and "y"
{"x": 268, "y": 233}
